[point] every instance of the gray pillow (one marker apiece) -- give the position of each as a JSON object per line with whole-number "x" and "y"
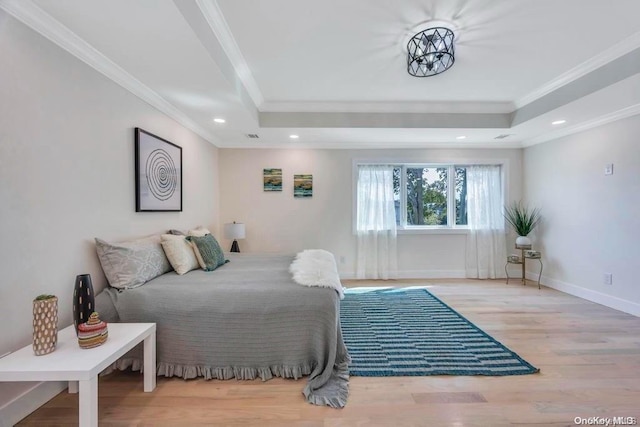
{"x": 130, "y": 264}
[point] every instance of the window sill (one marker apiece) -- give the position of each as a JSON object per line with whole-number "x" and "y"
{"x": 433, "y": 231}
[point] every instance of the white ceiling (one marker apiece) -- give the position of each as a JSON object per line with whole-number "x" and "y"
{"x": 334, "y": 72}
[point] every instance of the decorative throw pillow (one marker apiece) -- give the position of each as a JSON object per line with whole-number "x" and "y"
{"x": 198, "y": 231}
{"x": 208, "y": 252}
{"x": 130, "y": 264}
{"x": 176, "y": 232}
{"x": 180, "y": 253}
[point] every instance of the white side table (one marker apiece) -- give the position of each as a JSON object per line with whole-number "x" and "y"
{"x": 80, "y": 366}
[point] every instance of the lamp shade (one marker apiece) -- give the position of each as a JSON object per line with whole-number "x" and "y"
{"x": 234, "y": 230}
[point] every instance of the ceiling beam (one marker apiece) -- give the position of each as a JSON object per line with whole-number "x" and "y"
{"x": 209, "y": 26}
{"x": 600, "y": 78}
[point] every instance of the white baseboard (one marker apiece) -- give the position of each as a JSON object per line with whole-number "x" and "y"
{"x": 28, "y": 401}
{"x": 417, "y": 274}
{"x": 589, "y": 294}
{"x": 431, "y": 274}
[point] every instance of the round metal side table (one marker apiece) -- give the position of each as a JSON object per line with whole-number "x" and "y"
{"x": 526, "y": 254}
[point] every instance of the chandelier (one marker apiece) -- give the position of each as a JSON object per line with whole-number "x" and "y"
{"x": 430, "y": 52}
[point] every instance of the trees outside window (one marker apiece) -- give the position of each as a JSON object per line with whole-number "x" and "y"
{"x": 426, "y": 195}
{"x": 430, "y": 195}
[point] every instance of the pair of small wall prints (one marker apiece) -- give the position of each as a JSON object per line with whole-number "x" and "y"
{"x": 302, "y": 184}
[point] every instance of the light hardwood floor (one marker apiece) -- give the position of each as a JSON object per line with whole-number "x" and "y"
{"x": 589, "y": 357}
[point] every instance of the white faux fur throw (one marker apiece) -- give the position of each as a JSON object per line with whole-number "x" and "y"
{"x": 316, "y": 267}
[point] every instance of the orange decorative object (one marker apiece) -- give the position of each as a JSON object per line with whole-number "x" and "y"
{"x": 92, "y": 333}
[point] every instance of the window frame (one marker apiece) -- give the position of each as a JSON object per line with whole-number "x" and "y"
{"x": 403, "y": 228}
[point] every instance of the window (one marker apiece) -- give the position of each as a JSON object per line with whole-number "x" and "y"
{"x": 426, "y": 195}
{"x": 430, "y": 196}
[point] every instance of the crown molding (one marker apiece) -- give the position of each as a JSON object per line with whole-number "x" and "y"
{"x": 37, "y": 19}
{"x": 218, "y": 24}
{"x": 386, "y": 107}
{"x": 589, "y": 124}
{"x": 614, "y": 52}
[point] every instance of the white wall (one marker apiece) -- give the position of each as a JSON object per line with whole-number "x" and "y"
{"x": 67, "y": 176}
{"x": 590, "y": 221}
{"x": 278, "y": 222}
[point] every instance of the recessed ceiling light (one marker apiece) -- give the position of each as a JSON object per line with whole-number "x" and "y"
{"x": 294, "y": 136}
{"x": 219, "y": 120}
{"x": 460, "y": 137}
{"x": 558, "y": 122}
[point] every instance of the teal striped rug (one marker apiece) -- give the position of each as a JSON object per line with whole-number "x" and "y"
{"x": 410, "y": 332}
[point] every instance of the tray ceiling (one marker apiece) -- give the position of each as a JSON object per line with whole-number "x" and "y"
{"x": 333, "y": 72}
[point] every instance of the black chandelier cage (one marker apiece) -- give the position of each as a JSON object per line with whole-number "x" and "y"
{"x": 430, "y": 52}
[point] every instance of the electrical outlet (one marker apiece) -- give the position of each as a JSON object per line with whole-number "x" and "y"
{"x": 607, "y": 279}
{"x": 342, "y": 259}
{"x": 608, "y": 169}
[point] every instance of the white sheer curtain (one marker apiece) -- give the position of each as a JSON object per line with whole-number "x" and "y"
{"x": 376, "y": 223}
{"x": 486, "y": 252}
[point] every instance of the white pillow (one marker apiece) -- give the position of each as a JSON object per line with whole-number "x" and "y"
{"x": 198, "y": 232}
{"x": 180, "y": 253}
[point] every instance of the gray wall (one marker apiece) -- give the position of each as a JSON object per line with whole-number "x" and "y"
{"x": 67, "y": 176}
{"x": 590, "y": 220}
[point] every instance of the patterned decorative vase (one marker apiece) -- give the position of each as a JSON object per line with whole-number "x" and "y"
{"x": 93, "y": 332}
{"x": 83, "y": 300}
{"x": 45, "y": 324}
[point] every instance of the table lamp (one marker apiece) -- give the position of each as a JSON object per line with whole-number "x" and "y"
{"x": 234, "y": 231}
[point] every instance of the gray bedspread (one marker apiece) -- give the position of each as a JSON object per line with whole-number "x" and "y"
{"x": 247, "y": 319}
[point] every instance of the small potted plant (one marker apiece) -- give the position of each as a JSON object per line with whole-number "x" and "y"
{"x": 523, "y": 220}
{"x": 45, "y": 324}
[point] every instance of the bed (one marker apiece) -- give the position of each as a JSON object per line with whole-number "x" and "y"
{"x": 247, "y": 319}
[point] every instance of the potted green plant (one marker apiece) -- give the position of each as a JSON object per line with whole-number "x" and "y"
{"x": 523, "y": 220}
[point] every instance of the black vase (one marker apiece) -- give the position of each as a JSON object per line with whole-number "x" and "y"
{"x": 83, "y": 300}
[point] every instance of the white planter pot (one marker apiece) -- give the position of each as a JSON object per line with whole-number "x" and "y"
{"x": 523, "y": 241}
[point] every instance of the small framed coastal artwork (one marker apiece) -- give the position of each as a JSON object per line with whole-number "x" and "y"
{"x": 302, "y": 185}
{"x": 272, "y": 179}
